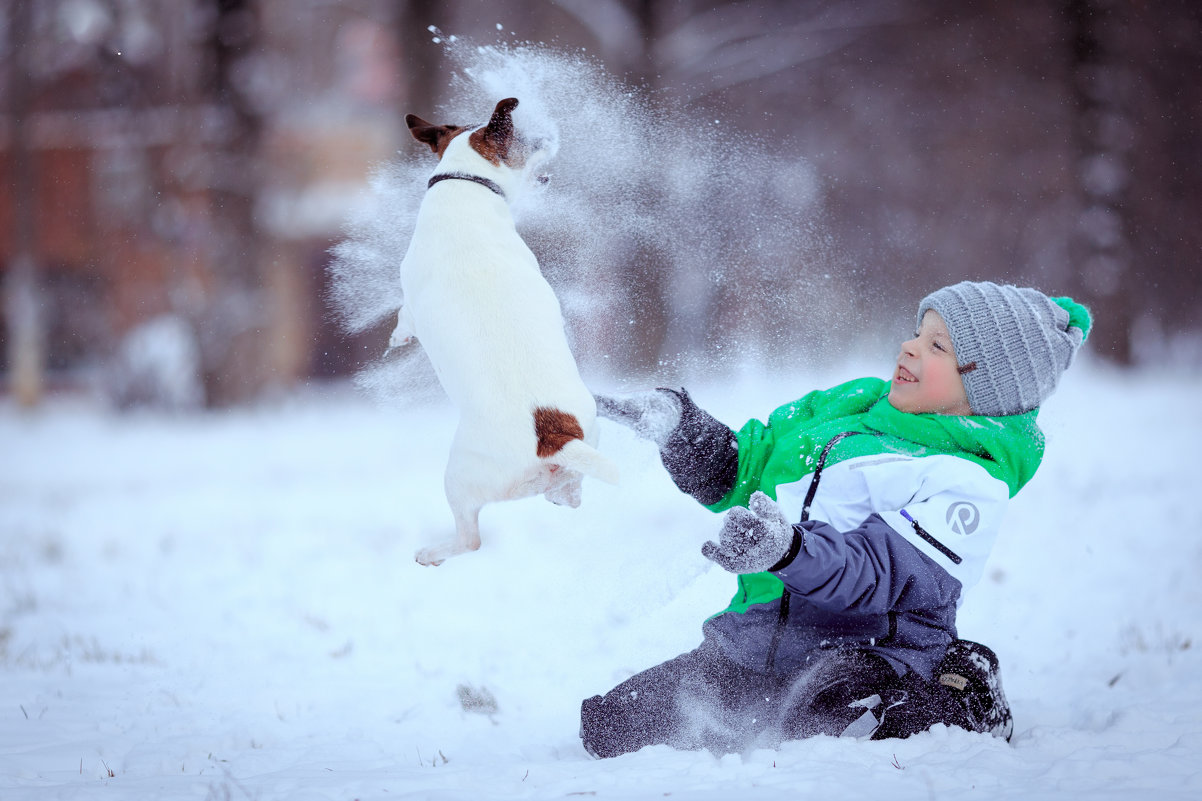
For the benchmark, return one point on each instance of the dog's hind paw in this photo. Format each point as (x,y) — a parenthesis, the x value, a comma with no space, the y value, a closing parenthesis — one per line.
(432,557)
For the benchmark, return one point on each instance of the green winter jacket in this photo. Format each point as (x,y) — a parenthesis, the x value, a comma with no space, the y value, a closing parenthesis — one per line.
(787,448)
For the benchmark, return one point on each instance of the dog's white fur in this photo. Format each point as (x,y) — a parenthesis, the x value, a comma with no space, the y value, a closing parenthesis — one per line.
(476,300)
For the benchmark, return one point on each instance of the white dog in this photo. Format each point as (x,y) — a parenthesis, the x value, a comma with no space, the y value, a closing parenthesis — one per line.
(476,300)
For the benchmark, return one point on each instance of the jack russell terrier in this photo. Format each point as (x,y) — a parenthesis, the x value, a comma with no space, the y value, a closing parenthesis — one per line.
(475,298)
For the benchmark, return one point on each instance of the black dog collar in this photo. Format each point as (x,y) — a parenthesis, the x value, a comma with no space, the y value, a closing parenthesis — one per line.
(463,176)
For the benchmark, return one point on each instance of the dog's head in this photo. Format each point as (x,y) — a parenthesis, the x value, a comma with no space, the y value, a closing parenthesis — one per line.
(498,143)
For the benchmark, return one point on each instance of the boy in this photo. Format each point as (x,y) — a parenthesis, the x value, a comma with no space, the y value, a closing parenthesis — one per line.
(855,518)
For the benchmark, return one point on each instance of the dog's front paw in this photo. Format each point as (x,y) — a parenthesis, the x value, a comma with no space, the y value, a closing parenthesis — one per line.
(396,343)
(404,332)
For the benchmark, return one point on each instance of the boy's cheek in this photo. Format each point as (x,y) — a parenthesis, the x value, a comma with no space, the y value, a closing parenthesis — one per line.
(900,396)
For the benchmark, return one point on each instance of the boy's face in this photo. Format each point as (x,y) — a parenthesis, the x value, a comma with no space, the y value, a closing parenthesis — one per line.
(927,379)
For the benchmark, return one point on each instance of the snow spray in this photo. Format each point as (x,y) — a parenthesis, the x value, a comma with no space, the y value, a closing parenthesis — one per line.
(652,213)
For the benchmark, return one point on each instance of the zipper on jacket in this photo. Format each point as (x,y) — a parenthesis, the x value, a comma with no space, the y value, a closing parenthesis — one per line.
(782,617)
(930,538)
(826,451)
(778,632)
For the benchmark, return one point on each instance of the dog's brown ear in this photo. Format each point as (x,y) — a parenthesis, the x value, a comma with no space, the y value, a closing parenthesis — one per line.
(504,109)
(501,124)
(492,141)
(436,136)
(423,131)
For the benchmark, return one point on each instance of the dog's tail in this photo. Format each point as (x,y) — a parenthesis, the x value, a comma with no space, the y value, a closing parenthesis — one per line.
(577,455)
(561,440)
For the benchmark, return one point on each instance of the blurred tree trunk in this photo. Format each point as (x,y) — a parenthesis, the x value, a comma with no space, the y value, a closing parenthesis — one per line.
(715,55)
(232,334)
(647,269)
(421,59)
(25,336)
(1101,245)
(627,33)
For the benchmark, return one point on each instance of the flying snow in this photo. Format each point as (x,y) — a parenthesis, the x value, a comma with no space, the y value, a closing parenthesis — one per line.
(649,211)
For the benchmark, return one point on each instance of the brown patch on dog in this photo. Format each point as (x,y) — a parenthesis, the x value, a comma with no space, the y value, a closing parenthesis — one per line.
(495,140)
(436,136)
(554,429)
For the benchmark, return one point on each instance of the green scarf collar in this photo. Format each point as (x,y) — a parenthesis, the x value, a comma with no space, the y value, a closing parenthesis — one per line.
(1010,448)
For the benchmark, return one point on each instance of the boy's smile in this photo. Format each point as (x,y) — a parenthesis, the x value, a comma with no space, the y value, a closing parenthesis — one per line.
(927,378)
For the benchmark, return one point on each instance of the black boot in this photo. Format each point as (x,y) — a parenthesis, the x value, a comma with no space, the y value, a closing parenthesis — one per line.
(970,673)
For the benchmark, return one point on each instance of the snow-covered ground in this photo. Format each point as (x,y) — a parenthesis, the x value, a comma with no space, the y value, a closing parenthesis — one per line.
(226,607)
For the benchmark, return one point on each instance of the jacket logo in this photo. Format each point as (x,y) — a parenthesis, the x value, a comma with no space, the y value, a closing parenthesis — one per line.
(963,517)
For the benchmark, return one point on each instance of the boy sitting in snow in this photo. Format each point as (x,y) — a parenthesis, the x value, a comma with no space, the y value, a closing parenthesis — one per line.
(857,516)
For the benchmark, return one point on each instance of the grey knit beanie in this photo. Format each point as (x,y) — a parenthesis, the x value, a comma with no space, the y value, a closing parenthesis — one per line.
(1012,344)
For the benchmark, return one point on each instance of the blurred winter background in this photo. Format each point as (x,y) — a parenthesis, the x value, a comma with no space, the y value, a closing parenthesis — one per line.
(176,172)
(206,527)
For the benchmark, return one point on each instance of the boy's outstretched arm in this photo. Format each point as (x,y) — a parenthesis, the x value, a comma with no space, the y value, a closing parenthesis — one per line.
(699,452)
(870,569)
(754,538)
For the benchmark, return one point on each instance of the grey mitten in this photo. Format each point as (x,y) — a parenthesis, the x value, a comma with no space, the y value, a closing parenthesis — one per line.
(652,415)
(753,539)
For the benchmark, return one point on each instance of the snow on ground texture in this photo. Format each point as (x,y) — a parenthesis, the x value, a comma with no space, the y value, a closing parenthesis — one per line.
(226,607)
